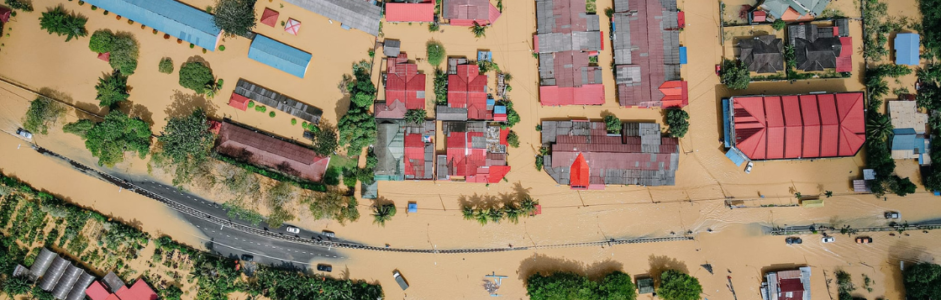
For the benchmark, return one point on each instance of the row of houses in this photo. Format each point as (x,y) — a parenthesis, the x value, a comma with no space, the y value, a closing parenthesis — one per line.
(67,281)
(816,48)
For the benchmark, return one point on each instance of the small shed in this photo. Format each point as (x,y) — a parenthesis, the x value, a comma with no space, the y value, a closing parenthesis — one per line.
(238,101)
(269,17)
(645,285)
(292,26)
(499,113)
(391,48)
(907,49)
(682,55)
(412,207)
(861,186)
(759,16)
(869,174)
(484,55)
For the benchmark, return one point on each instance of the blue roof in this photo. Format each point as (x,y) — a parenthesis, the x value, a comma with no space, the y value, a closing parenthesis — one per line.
(484,55)
(279,56)
(499,109)
(412,207)
(169,16)
(904,139)
(726,123)
(682,55)
(906,49)
(736,156)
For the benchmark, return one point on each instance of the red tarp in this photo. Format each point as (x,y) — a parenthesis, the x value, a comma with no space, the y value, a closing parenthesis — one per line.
(580,174)
(238,101)
(681,19)
(269,17)
(410,12)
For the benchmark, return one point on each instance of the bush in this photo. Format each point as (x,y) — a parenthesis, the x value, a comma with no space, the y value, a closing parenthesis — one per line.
(251,103)
(293,121)
(478,30)
(57,21)
(112,89)
(678,120)
(16,4)
(271,114)
(324,140)
(235,17)
(221,47)
(436,53)
(778,24)
(613,124)
(415,116)
(441,87)
(735,75)
(124,54)
(101,41)
(261,108)
(513,139)
(433,27)
(42,113)
(196,76)
(165,66)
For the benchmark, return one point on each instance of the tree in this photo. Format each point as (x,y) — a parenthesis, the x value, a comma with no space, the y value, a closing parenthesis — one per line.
(235,17)
(612,123)
(165,66)
(101,41)
(109,139)
(878,127)
(436,52)
(124,54)
(901,186)
(415,116)
(468,212)
(15,286)
(196,76)
(278,196)
(362,91)
(57,21)
(357,129)
(332,204)
(42,113)
(185,145)
(441,87)
(112,89)
(478,30)
(922,281)
(325,140)
(675,285)
(678,120)
(571,286)
(383,213)
(513,139)
(512,117)
(735,75)
(778,24)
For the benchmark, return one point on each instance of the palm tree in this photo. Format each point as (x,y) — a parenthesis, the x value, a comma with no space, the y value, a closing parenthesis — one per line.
(481,216)
(495,214)
(528,205)
(383,213)
(468,212)
(512,213)
(878,128)
(479,31)
(58,21)
(828,194)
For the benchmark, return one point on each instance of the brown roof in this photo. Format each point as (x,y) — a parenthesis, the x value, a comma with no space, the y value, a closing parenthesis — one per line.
(271,152)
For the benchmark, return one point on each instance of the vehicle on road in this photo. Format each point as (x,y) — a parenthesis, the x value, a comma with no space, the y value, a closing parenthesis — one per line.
(324,268)
(400,280)
(748,167)
(329,233)
(718,69)
(293,229)
(793,240)
(863,240)
(827,239)
(247,257)
(25,134)
(893,215)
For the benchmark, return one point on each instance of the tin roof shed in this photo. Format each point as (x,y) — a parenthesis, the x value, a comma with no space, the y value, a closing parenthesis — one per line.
(173,17)
(279,56)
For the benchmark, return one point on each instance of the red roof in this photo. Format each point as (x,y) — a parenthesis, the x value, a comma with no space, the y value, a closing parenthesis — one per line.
(5,14)
(474,164)
(468,12)
(271,152)
(805,126)
(790,289)
(647,35)
(414,155)
(468,89)
(504,132)
(269,17)
(410,12)
(581,176)
(238,101)
(680,19)
(139,291)
(96,291)
(844,62)
(589,94)
(675,94)
(105,56)
(404,84)
(759,16)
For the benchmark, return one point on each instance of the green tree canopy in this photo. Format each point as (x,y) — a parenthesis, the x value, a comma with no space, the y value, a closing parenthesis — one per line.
(612,123)
(109,139)
(235,17)
(922,281)
(478,30)
(357,129)
(276,200)
(325,140)
(332,204)
(196,76)
(735,75)
(112,89)
(778,24)
(675,285)
(165,66)
(59,22)
(362,91)
(678,120)
(16,286)
(415,116)
(124,54)
(570,286)
(436,52)
(42,113)
(184,145)
(101,41)
(383,213)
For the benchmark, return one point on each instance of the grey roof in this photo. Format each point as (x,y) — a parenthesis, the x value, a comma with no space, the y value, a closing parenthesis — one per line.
(278,101)
(353,13)
(815,49)
(622,37)
(778,7)
(389,149)
(843,27)
(20,270)
(453,62)
(546,21)
(78,289)
(762,54)
(445,113)
(42,263)
(391,48)
(113,282)
(369,191)
(66,282)
(49,280)
(442,168)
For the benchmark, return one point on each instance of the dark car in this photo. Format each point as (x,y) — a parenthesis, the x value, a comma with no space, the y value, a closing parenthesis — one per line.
(247,257)
(863,240)
(793,241)
(324,268)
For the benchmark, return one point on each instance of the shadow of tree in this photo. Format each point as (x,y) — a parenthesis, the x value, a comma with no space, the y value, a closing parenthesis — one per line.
(184,104)
(343,105)
(659,264)
(545,265)
(139,111)
(199,59)
(84,110)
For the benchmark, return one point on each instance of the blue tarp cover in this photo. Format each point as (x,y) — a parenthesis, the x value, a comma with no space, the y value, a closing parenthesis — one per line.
(682,55)
(484,55)
(169,16)
(736,156)
(906,49)
(279,56)
(412,207)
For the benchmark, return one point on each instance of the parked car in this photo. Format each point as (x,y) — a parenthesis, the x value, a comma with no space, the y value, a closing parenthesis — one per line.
(247,257)
(329,233)
(793,240)
(863,240)
(748,167)
(400,280)
(23,133)
(718,69)
(827,239)
(293,229)
(324,268)
(893,215)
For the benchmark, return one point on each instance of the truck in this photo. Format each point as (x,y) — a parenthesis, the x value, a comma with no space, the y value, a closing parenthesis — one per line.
(400,280)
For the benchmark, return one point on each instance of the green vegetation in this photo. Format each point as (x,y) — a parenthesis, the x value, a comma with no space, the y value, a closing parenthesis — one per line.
(778,24)
(383,213)
(540,160)
(271,114)
(512,117)
(512,211)
(678,120)
(845,286)
(235,17)
(931,19)
(277,197)
(878,132)
(59,22)
(185,146)
(735,75)
(571,286)
(17,4)
(441,87)
(929,98)
(613,124)
(278,176)
(415,116)
(324,139)
(478,30)
(513,139)
(109,139)
(432,27)
(112,90)
(922,281)
(123,48)
(332,204)
(485,66)
(675,285)
(362,91)
(260,108)
(436,53)
(196,76)
(101,41)
(358,126)
(166,65)
(42,113)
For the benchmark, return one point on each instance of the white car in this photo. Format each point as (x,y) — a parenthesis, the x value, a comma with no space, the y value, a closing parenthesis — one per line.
(23,133)
(293,230)
(748,167)
(827,239)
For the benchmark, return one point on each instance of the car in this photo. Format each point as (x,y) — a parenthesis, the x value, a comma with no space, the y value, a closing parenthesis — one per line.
(718,69)
(247,257)
(893,215)
(827,239)
(324,268)
(793,240)
(329,233)
(401,281)
(293,229)
(748,167)
(25,134)
(863,240)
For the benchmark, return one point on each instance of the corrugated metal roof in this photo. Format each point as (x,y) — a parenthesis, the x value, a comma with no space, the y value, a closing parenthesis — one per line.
(51,278)
(647,35)
(113,282)
(173,17)
(356,14)
(67,281)
(78,289)
(279,56)
(42,263)
(270,152)
(278,101)
(410,12)
(390,149)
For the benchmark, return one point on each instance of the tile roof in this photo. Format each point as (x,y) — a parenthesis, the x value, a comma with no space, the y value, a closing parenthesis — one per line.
(279,56)
(468,89)
(410,12)
(173,17)
(270,152)
(356,14)
(566,37)
(269,17)
(238,101)
(139,291)
(97,291)
(467,12)
(403,83)
(646,50)
(819,48)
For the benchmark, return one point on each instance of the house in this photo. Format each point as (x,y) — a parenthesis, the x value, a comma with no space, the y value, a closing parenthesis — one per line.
(469,12)
(279,56)
(796,126)
(647,53)
(361,15)
(584,155)
(476,152)
(566,39)
(762,54)
(261,149)
(172,17)
(391,48)
(405,151)
(410,11)
(787,285)
(794,10)
(907,49)
(275,100)
(467,89)
(817,48)
(405,88)
(117,291)
(909,140)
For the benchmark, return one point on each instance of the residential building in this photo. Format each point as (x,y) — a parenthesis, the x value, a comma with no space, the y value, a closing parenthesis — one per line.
(117,291)
(405,151)
(469,12)
(172,17)
(795,126)
(787,285)
(817,48)
(467,89)
(909,140)
(404,88)
(566,39)
(355,14)
(410,11)
(647,53)
(794,10)
(279,56)
(907,51)
(258,148)
(246,90)
(762,54)
(476,152)
(391,48)
(584,155)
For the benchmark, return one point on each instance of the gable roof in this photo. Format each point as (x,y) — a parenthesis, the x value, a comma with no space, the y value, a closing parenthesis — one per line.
(410,12)
(474,152)
(467,12)
(269,17)
(566,37)
(360,15)
(468,89)
(270,152)
(778,8)
(762,54)
(907,49)
(404,84)
(646,50)
(238,101)
(819,48)
(173,17)
(279,56)
(97,291)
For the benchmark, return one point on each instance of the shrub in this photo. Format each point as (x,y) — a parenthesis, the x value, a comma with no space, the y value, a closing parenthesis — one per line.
(16,4)
(778,24)
(735,75)
(165,66)
(221,47)
(678,120)
(112,89)
(612,123)
(251,103)
(415,116)
(42,113)
(196,76)
(436,53)
(324,140)
(433,27)
(124,54)
(293,121)
(260,108)
(102,41)
(61,23)
(478,30)
(192,45)
(271,114)
(235,17)
(513,139)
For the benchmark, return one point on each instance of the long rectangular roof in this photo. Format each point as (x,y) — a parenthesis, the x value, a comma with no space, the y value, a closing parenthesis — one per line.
(410,12)
(566,35)
(278,101)
(271,152)
(169,16)
(907,49)
(357,14)
(646,41)
(798,126)
(280,56)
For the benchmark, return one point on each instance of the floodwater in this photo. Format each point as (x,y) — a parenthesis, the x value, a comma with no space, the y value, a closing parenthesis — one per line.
(704,180)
